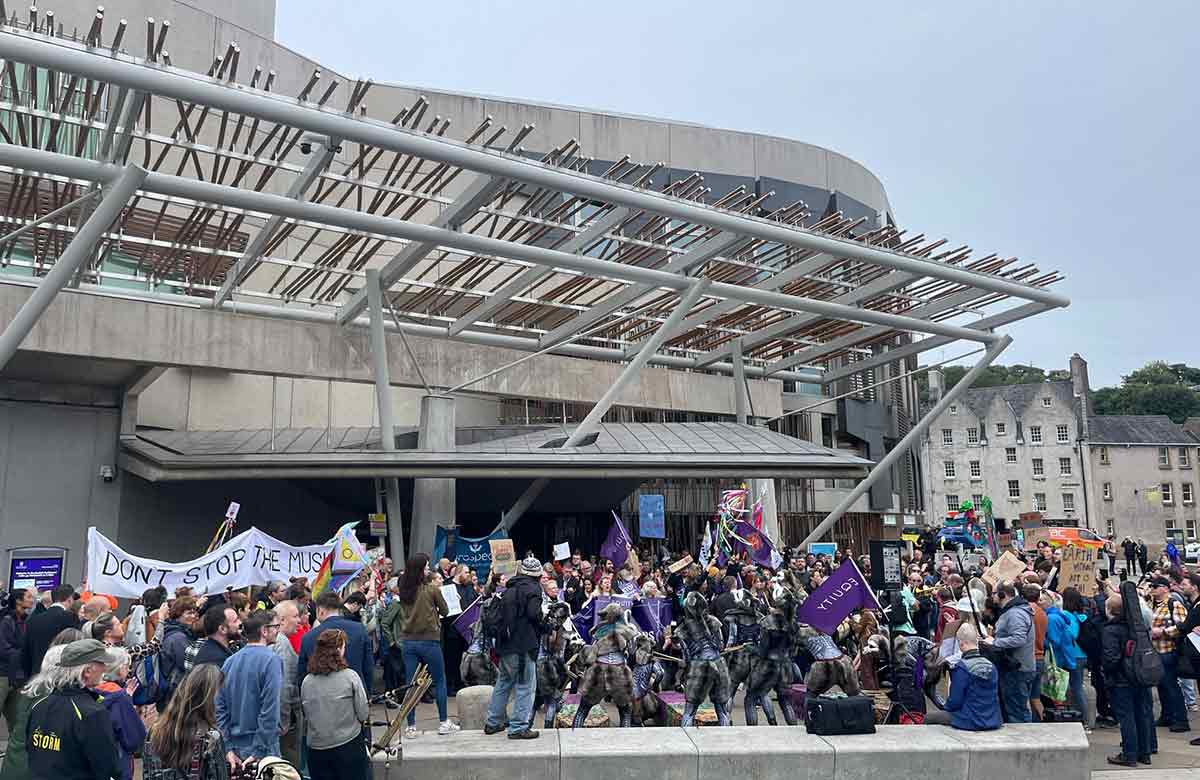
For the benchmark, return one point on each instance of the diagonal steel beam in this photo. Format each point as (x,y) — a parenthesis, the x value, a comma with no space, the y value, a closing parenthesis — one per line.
(596,415)
(154,79)
(480,193)
(1007,317)
(678,264)
(115,197)
(317,163)
(901,448)
(531,276)
(856,336)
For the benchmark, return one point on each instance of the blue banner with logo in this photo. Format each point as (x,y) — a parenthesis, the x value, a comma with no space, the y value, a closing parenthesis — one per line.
(476,553)
(652,523)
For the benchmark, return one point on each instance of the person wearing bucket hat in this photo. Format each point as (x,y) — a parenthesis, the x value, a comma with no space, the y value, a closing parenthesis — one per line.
(70,733)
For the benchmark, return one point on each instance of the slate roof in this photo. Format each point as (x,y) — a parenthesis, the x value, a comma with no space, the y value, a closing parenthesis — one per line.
(1020,397)
(624,449)
(1137,429)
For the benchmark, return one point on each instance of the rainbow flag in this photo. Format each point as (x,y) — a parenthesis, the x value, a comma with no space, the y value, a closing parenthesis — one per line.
(324,574)
(343,563)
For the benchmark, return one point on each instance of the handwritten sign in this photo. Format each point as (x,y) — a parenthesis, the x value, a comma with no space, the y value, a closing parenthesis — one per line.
(680,564)
(504,556)
(1006,569)
(1078,570)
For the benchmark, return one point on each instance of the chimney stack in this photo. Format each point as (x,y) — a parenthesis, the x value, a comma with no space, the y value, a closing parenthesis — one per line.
(1082,391)
(937,385)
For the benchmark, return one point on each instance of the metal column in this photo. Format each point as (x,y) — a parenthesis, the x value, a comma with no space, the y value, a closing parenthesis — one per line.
(739,383)
(383,399)
(911,438)
(592,421)
(78,251)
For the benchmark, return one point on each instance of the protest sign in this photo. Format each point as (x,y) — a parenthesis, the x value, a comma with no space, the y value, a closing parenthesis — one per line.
(562,551)
(1006,569)
(476,553)
(1078,569)
(680,564)
(250,558)
(450,595)
(823,548)
(232,512)
(843,592)
(504,557)
(652,517)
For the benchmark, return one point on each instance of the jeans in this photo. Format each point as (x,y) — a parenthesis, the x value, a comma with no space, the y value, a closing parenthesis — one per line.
(1189,692)
(1078,698)
(1014,690)
(428,651)
(518,676)
(1131,705)
(1169,695)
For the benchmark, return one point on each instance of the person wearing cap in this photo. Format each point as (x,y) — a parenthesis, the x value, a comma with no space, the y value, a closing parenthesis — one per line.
(1169,616)
(70,733)
(521,605)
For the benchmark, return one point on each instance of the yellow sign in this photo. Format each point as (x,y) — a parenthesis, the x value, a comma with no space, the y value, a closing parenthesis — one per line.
(504,556)
(910,536)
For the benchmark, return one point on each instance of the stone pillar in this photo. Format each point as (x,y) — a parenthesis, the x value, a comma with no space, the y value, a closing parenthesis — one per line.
(434,498)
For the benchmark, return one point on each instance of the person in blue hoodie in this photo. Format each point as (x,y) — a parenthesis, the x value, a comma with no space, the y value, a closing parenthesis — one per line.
(1075,609)
(974,702)
(128,729)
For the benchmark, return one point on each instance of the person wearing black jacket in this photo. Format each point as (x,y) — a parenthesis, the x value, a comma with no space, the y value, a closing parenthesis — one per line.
(70,733)
(41,629)
(1130,701)
(1129,547)
(1143,555)
(521,603)
(12,636)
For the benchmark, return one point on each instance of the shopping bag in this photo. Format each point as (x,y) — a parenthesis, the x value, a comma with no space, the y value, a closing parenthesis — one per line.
(1055,681)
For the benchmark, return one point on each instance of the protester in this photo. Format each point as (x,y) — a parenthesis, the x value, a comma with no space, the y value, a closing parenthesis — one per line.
(973,704)
(275,592)
(12,637)
(420,633)
(70,733)
(453,643)
(1032,593)
(176,635)
(1169,615)
(248,704)
(1014,639)
(1074,659)
(521,605)
(185,744)
(288,617)
(358,644)
(41,628)
(1130,701)
(128,730)
(335,707)
(16,759)
(221,626)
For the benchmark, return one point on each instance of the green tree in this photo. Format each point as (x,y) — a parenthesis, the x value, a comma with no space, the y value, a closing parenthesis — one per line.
(1155,388)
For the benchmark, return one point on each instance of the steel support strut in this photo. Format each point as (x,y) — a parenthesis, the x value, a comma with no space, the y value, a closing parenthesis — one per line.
(383,399)
(77,252)
(592,421)
(911,438)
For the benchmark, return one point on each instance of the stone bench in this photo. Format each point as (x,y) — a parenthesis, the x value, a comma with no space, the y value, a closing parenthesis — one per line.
(1035,751)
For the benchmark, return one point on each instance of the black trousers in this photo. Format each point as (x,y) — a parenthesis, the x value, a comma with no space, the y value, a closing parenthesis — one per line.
(348,760)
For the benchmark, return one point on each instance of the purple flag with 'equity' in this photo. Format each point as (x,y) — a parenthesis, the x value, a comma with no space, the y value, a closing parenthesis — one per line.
(616,544)
(845,591)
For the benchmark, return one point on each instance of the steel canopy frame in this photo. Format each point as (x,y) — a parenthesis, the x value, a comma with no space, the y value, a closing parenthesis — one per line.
(153,78)
(165,184)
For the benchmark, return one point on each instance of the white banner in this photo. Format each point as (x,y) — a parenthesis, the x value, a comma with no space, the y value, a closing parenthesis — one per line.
(250,558)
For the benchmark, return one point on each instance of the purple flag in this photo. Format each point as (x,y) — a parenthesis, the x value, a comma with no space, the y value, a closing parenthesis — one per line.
(652,615)
(629,588)
(762,552)
(845,591)
(583,620)
(616,544)
(465,623)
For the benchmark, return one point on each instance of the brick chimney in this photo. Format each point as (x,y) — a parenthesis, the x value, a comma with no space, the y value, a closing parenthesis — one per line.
(1081,389)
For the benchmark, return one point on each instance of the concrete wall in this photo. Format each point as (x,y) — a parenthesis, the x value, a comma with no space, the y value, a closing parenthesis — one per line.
(50,490)
(992,457)
(1130,471)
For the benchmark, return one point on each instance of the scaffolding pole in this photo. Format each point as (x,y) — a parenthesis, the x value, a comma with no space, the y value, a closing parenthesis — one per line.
(383,399)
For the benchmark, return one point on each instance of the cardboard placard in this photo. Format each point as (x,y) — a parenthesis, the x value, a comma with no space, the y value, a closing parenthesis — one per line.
(562,551)
(232,512)
(1006,569)
(1078,570)
(504,556)
(680,564)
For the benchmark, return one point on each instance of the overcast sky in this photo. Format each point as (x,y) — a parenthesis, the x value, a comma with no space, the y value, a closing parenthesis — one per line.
(1064,133)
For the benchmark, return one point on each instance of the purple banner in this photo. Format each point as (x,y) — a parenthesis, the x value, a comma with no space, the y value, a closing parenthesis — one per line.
(616,544)
(762,552)
(845,591)
(628,588)
(465,623)
(583,621)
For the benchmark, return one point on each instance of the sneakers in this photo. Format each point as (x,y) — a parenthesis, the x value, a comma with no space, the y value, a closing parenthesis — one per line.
(526,734)
(448,727)
(411,732)
(490,730)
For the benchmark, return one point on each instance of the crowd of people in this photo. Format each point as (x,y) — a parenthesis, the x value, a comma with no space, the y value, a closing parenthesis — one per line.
(214,686)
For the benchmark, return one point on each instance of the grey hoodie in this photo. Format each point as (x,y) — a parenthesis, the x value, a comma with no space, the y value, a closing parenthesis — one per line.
(1014,632)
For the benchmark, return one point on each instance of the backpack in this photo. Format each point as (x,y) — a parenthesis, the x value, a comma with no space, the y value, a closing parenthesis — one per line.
(152,686)
(1089,640)
(1141,662)
(496,625)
